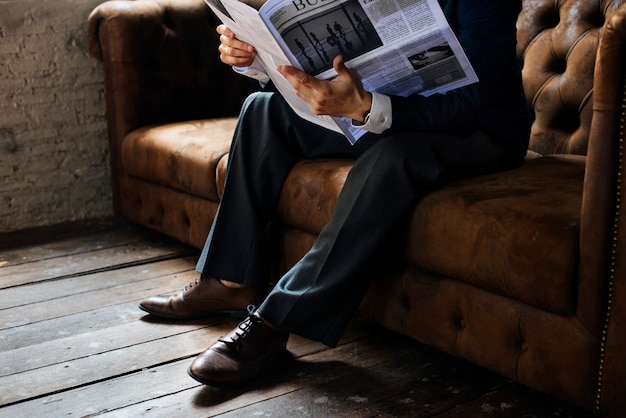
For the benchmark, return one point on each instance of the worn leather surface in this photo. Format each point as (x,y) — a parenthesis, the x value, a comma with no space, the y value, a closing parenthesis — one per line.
(522,272)
(479,231)
(161,65)
(603,224)
(177,155)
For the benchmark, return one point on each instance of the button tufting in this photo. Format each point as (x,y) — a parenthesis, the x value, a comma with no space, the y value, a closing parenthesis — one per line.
(523,347)
(406,303)
(462,322)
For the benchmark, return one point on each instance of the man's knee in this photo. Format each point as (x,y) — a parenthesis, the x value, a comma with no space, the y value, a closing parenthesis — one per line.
(407,157)
(261,101)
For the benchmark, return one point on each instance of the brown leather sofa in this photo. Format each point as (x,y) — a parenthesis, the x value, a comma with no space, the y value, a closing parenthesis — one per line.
(522,272)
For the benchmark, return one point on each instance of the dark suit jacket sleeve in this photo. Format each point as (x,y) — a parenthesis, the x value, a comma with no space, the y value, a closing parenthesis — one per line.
(486,31)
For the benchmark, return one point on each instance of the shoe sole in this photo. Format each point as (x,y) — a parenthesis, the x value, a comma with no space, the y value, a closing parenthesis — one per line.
(233,313)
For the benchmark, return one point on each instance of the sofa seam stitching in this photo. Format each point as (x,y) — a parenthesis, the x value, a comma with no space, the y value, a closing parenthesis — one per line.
(614,245)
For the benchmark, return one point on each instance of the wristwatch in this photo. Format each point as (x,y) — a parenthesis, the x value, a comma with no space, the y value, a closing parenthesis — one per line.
(366,116)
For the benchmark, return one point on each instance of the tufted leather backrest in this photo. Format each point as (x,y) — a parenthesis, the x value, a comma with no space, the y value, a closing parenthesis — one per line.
(162,64)
(557,43)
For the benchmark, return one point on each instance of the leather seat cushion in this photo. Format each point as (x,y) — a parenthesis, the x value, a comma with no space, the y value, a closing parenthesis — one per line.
(515,233)
(183,156)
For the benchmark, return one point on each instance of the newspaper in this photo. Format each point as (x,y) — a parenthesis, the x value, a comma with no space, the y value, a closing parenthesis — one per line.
(397,47)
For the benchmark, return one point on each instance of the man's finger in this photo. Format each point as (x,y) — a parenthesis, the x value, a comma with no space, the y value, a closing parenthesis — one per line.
(339,65)
(290,72)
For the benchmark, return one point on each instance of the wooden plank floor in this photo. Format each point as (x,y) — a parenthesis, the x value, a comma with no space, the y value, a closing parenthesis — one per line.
(73,343)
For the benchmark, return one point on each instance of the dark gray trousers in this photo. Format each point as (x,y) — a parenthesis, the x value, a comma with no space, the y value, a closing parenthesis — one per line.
(320,294)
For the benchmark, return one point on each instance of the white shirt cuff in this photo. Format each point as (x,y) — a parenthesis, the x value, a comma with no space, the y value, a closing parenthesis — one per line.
(380,115)
(255,71)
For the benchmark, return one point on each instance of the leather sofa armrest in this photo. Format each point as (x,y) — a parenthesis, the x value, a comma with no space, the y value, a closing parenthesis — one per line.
(161,65)
(603,219)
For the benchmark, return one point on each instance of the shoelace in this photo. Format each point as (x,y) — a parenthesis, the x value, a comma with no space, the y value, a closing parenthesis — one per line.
(194,283)
(247,324)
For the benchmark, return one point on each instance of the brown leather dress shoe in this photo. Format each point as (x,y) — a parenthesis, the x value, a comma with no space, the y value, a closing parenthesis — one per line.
(241,355)
(202,298)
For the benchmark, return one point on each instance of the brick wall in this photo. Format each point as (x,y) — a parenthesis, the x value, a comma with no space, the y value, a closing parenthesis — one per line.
(53,142)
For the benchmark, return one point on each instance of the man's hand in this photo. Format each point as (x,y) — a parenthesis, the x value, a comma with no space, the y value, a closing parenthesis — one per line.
(232,50)
(343,96)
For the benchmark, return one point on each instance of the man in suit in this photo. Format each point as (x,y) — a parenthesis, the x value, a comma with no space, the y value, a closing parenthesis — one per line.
(413,144)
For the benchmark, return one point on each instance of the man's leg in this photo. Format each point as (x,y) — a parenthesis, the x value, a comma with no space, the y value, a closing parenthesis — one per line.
(268,141)
(319,295)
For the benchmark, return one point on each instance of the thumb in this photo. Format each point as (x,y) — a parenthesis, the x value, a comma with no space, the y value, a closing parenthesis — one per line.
(344,73)
(339,65)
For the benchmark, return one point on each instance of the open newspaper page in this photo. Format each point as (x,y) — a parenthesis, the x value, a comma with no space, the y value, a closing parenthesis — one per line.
(397,47)
(249,27)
